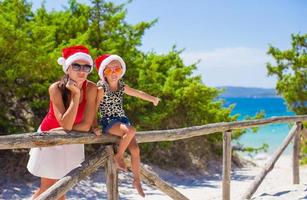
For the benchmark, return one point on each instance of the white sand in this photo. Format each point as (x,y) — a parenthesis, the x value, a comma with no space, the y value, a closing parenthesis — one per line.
(277,185)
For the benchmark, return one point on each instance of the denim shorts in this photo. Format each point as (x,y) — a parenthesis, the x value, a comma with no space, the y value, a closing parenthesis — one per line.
(108,122)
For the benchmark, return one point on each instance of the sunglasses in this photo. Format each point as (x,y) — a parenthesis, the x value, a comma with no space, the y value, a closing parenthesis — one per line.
(78,67)
(117,70)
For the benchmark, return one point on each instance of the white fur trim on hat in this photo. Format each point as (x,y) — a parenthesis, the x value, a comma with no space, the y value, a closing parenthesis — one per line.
(109,59)
(74,57)
(61,61)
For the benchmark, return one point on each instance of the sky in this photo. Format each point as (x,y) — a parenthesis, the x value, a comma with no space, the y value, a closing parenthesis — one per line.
(229,38)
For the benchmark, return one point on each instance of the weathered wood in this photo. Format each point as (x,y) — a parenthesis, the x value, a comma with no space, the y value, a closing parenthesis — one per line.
(226,164)
(154,180)
(72,178)
(183,133)
(270,163)
(296,154)
(111,175)
(58,138)
(41,139)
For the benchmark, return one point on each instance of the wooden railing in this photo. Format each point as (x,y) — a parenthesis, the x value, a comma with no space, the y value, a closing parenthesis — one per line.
(104,157)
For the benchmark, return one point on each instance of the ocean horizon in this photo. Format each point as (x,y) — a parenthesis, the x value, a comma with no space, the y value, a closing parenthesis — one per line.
(272,134)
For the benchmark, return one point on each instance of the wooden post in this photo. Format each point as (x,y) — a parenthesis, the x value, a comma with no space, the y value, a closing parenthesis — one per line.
(270,164)
(226,164)
(296,154)
(72,178)
(111,175)
(154,180)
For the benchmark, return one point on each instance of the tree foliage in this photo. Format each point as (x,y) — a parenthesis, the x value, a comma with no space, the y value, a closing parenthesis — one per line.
(32,42)
(290,67)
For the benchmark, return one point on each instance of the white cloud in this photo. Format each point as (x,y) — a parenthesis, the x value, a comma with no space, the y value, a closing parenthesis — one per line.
(239,66)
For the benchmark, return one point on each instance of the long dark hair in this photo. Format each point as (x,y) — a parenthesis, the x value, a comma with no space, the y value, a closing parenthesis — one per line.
(64,91)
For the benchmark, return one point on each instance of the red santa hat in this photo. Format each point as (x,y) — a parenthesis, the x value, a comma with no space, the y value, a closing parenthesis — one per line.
(74,53)
(102,61)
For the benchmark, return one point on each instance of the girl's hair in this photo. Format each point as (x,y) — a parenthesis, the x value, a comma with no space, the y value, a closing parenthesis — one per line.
(105,79)
(64,91)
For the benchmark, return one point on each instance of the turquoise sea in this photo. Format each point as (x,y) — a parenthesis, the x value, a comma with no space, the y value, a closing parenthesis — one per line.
(272,134)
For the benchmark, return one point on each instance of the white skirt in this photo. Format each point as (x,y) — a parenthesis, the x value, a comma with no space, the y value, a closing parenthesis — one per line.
(56,161)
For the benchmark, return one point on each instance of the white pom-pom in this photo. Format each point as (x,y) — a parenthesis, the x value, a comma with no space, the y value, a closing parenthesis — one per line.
(61,61)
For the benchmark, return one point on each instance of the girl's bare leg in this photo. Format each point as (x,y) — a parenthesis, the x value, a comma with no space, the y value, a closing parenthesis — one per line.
(135,165)
(126,133)
(45,184)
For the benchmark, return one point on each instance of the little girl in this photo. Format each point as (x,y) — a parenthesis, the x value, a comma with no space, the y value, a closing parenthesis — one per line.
(111,89)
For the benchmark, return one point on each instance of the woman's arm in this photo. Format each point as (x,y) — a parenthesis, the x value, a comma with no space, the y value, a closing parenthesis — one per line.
(99,99)
(89,112)
(142,95)
(65,117)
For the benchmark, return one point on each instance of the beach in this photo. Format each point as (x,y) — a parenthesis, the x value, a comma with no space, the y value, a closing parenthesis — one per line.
(277,184)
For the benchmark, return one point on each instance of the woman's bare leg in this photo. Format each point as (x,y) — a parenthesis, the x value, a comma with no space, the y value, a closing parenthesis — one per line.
(45,184)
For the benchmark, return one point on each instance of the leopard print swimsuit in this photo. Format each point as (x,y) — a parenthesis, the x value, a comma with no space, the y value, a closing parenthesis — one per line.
(112,104)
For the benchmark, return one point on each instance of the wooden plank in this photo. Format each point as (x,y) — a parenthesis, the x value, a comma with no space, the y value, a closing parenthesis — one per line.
(111,175)
(270,164)
(154,180)
(72,178)
(183,133)
(59,138)
(226,165)
(296,155)
(43,139)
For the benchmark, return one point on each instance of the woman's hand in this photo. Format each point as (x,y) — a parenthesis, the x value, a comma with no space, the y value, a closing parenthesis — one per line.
(72,86)
(97,131)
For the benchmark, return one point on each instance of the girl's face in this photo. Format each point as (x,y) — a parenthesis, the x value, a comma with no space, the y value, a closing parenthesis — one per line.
(79,70)
(113,71)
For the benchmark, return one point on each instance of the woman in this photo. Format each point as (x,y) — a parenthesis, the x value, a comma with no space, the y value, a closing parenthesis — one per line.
(72,107)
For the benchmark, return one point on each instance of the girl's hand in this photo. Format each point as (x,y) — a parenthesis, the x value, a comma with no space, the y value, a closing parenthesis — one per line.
(155,101)
(72,86)
(97,131)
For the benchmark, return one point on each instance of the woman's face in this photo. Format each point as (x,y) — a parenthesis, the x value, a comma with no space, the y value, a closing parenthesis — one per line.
(113,71)
(79,70)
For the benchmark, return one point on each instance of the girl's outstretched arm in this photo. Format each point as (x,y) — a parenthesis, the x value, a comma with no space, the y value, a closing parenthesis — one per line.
(142,95)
